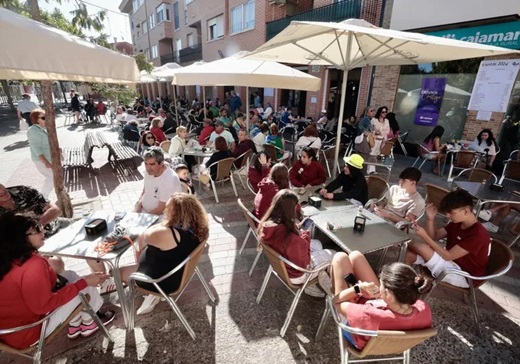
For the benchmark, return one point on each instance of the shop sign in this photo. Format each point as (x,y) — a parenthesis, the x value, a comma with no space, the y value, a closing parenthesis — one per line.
(505,35)
(430,101)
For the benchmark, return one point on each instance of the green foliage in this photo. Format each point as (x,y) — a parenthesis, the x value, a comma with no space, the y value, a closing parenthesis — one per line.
(142,62)
(123,94)
(84,20)
(56,19)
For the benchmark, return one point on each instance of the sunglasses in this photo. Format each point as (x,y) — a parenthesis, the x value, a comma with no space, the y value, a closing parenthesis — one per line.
(384,112)
(37,230)
(42,117)
(149,137)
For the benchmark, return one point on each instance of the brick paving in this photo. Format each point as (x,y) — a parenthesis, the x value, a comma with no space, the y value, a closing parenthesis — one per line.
(223,267)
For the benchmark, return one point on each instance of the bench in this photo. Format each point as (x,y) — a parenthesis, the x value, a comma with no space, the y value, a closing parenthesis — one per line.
(120,153)
(81,157)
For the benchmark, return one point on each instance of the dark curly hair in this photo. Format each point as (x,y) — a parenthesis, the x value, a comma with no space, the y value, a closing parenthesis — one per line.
(15,247)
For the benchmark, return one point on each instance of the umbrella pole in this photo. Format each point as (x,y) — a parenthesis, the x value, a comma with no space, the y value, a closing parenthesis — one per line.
(175,103)
(247,108)
(204,103)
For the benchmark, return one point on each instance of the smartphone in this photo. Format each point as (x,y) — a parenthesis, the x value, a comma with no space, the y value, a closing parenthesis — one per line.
(119,215)
(307,224)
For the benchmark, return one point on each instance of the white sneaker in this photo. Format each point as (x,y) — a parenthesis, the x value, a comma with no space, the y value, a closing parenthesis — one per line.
(485,215)
(107,286)
(314,291)
(492,228)
(148,304)
(325,283)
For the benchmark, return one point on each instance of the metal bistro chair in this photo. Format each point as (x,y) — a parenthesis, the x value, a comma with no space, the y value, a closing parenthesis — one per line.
(327,154)
(190,269)
(69,116)
(462,160)
(165,146)
(425,154)
(377,188)
(244,159)
(278,268)
(253,224)
(381,342)
(38,349)
(474,175)
(500,261)
(401,139)
(270,151)
(511,167)
(223,175)
(387,149)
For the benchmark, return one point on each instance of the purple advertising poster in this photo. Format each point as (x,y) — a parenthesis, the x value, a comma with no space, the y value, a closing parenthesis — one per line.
(430,101)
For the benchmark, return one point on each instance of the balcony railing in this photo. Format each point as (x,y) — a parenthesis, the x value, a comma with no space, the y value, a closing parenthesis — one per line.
(186,55)
(331,13)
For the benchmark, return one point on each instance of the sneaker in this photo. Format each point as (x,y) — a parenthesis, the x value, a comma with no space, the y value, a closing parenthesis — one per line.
(107,286)
(314,291)
(148,304)
(74,331)
(489,226)
(325,283)
(485,215)
(204,178)
(89,328)
(106,317)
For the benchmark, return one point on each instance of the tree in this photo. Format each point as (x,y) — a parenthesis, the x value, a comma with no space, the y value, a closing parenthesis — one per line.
(142,62)
(120,93)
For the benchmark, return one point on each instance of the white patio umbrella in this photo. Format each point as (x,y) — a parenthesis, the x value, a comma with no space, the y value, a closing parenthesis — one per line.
(238,71)
(356,43)
(35,51)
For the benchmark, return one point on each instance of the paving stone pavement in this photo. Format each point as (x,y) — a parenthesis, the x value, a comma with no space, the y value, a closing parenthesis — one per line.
(236,329)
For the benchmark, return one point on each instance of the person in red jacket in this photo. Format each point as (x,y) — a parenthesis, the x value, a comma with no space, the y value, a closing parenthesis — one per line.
(258,170)
(31,288)
(307,171)
(156,129)
(206,131)
(277,180)
(278,230)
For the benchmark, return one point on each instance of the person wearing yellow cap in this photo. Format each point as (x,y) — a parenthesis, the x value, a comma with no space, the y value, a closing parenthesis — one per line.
(352,182)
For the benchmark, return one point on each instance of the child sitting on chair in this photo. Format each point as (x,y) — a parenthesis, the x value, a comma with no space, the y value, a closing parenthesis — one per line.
(183,174)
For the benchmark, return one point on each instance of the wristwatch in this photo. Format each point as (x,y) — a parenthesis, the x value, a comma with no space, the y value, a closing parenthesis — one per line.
(357,289)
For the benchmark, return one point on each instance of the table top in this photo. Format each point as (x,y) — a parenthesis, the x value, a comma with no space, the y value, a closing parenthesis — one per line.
(378,233)
(482,191)
(374,161)
(74,242)
(197,152)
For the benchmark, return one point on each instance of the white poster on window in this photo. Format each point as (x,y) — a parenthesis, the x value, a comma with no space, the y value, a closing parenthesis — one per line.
(268,91)
(493,86)
(484,115)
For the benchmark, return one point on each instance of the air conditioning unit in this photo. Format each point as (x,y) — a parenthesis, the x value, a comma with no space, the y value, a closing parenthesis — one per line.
(279,2)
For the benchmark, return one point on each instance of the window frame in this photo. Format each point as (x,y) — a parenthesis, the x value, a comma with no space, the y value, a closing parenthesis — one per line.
(216,24)
(176,24)
(166,11)
(252,20)
(151,21)
(154,51)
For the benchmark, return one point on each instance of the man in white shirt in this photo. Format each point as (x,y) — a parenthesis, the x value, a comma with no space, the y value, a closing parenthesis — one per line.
(160,182)
(402,202)
(221,131)
(25,107)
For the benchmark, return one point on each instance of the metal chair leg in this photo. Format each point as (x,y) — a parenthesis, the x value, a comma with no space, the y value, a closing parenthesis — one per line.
(245,241)
(240,178)
(291,311)
(343,352)
(323,322)
(415,162)
(264,284)
(474,309)
(131,309)
(214,190)
(424,161)
(95,317)
(255,262)
(406,357)
(205,284)
(181,317)
(233,184)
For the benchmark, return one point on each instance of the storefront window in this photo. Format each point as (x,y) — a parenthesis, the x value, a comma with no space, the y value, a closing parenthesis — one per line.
(460,77)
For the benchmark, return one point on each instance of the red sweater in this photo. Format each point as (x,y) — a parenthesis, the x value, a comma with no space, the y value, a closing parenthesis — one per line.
(302,175)
(27,297)
(255,177)
(296,248)
(205,133)
(159,134)
(266,191)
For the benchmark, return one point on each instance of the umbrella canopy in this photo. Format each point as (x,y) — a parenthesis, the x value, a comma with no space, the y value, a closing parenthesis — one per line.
(238,71)
(36,51)
(146,77)
(166,70)
(357,43)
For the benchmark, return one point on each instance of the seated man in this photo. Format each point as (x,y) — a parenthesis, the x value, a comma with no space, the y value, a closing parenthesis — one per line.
(402,202)
(160,182)
(244,144)
(221,131)
(468,242)
(27,199)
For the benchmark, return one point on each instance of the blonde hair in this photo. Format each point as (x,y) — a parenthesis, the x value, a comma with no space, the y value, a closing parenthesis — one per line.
(179,129)
(156,122)
(186,211)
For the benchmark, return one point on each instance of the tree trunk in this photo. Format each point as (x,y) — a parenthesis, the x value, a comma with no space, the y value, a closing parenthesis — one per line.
(63,197)
(7,91)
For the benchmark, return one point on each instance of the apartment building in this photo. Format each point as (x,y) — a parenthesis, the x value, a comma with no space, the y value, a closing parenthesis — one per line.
(185,31)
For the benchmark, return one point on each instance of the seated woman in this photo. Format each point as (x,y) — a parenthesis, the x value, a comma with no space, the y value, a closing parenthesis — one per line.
(394,126)
(307,171)
(485,143)
(178,143)
(258,170)
(309,138)
(206,131)
(147,141)
(131,134)
(277,180)
(156,129)
(352,182)
(433,143)
(278,230)
(31,288)
(221,152)
(184,227)
(275,139)
(366,302)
